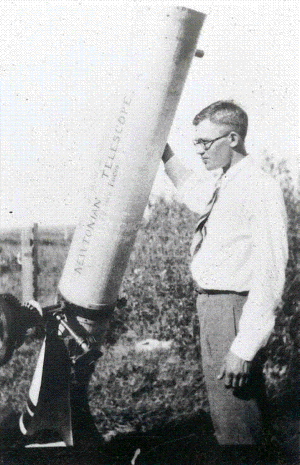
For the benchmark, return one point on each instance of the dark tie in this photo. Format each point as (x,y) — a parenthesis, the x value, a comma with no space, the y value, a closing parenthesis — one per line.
(200,231)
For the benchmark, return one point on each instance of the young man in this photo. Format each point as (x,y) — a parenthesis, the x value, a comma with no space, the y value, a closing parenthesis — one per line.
(239,255)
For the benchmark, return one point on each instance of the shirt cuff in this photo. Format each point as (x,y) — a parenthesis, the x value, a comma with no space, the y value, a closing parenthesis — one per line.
(247,346)
(241,349)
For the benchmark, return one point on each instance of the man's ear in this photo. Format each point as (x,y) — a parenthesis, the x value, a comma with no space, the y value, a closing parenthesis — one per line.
(235,139)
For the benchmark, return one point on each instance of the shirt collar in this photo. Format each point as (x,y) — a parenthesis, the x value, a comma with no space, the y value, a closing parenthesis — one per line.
(243,164)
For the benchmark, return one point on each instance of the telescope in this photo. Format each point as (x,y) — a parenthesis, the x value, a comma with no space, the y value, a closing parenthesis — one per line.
(134,140)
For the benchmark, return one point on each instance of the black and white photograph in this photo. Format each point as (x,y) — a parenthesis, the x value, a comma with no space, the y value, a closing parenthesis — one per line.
(149,232)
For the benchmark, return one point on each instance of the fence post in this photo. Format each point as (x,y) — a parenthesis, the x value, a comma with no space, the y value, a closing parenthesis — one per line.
(29,245)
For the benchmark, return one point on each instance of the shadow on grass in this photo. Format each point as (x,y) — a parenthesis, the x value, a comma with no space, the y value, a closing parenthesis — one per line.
(171,443)
(187,442)
(190,441)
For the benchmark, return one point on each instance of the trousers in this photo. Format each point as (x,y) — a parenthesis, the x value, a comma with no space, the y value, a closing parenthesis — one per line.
(236,414)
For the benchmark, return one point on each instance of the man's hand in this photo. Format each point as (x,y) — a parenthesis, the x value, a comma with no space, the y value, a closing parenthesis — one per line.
(235,370)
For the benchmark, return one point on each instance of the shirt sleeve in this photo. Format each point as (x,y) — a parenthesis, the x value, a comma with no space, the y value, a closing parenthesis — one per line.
(268,223)
(195,190)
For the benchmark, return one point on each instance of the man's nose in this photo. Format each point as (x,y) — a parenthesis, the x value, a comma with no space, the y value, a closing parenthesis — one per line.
(200,151)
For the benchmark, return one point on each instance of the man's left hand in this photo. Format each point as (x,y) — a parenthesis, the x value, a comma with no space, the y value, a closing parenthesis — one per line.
(235,370)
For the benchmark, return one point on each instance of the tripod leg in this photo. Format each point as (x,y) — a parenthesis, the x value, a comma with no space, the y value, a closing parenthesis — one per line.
(48,407)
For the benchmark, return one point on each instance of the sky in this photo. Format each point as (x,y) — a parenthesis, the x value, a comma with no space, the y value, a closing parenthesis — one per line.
(64,62)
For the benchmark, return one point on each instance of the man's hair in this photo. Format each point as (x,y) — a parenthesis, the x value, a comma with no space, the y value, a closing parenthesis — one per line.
(225,113)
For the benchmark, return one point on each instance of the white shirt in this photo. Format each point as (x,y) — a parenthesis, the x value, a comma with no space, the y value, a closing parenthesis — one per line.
(245,247)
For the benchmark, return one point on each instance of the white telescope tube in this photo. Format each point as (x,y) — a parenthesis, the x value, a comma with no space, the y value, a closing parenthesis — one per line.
(134,141)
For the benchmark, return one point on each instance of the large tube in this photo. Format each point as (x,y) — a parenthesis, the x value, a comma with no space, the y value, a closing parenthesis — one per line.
(130,154)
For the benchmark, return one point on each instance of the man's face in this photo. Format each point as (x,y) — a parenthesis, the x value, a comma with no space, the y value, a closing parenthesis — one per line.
(219,154)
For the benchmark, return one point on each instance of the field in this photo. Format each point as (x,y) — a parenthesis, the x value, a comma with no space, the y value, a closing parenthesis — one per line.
(156,400)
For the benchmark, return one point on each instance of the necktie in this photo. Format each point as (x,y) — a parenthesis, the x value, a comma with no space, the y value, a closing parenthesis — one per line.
(200,230)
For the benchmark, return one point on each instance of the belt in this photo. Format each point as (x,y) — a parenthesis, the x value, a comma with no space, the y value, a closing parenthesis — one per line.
(199,290)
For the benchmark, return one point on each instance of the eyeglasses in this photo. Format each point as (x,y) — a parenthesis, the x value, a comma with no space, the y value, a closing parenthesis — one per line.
(206,144)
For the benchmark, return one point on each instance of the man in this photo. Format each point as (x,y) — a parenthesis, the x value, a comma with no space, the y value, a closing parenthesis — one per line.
(239,254)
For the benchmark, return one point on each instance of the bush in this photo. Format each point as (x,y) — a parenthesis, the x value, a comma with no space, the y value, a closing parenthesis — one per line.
(282,369)
(157,285)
